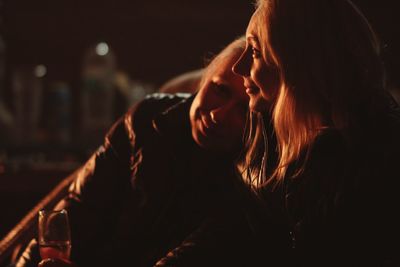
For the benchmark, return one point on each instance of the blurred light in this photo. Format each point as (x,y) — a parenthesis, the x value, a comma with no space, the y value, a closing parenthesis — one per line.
(102,49)
(40,71)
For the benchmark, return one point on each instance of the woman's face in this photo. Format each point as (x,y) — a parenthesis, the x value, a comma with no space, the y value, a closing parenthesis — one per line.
(218,112)
(261,79)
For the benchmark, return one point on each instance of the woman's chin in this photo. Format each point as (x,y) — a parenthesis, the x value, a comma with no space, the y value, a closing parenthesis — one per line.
(258,104)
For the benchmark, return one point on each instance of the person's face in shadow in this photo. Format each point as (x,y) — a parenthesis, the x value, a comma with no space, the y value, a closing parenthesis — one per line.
(218,112)
(261,78)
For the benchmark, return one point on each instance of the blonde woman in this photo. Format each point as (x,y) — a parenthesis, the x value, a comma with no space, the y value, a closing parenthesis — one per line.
(315,66)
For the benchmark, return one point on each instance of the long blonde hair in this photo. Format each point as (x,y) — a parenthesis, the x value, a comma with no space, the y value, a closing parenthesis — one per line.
(330,70)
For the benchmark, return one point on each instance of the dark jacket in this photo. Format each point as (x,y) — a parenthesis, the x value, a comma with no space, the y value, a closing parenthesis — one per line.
(343,209)
(145,190)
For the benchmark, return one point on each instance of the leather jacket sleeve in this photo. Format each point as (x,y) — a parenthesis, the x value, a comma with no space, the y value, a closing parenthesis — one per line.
(100,186)
(93,196)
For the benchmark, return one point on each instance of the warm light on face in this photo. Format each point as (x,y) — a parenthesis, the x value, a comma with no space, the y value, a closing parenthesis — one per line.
(218,112)
(40,71)
(102,49)
(261,77)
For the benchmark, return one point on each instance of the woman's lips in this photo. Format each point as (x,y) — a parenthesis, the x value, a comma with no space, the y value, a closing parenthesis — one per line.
(252,90)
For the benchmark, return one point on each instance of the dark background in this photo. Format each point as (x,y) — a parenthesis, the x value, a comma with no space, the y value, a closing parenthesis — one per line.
(153,41)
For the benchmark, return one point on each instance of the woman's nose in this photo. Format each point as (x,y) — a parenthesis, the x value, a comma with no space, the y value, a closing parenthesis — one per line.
(242,66)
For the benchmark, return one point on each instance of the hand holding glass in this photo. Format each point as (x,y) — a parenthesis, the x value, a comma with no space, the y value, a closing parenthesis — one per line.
(54,234)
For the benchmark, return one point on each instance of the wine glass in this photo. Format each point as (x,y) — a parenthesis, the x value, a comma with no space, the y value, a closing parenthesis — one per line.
(54,234)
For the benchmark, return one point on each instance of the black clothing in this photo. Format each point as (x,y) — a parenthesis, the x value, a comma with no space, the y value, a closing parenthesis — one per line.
(342,210)
(146,189)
